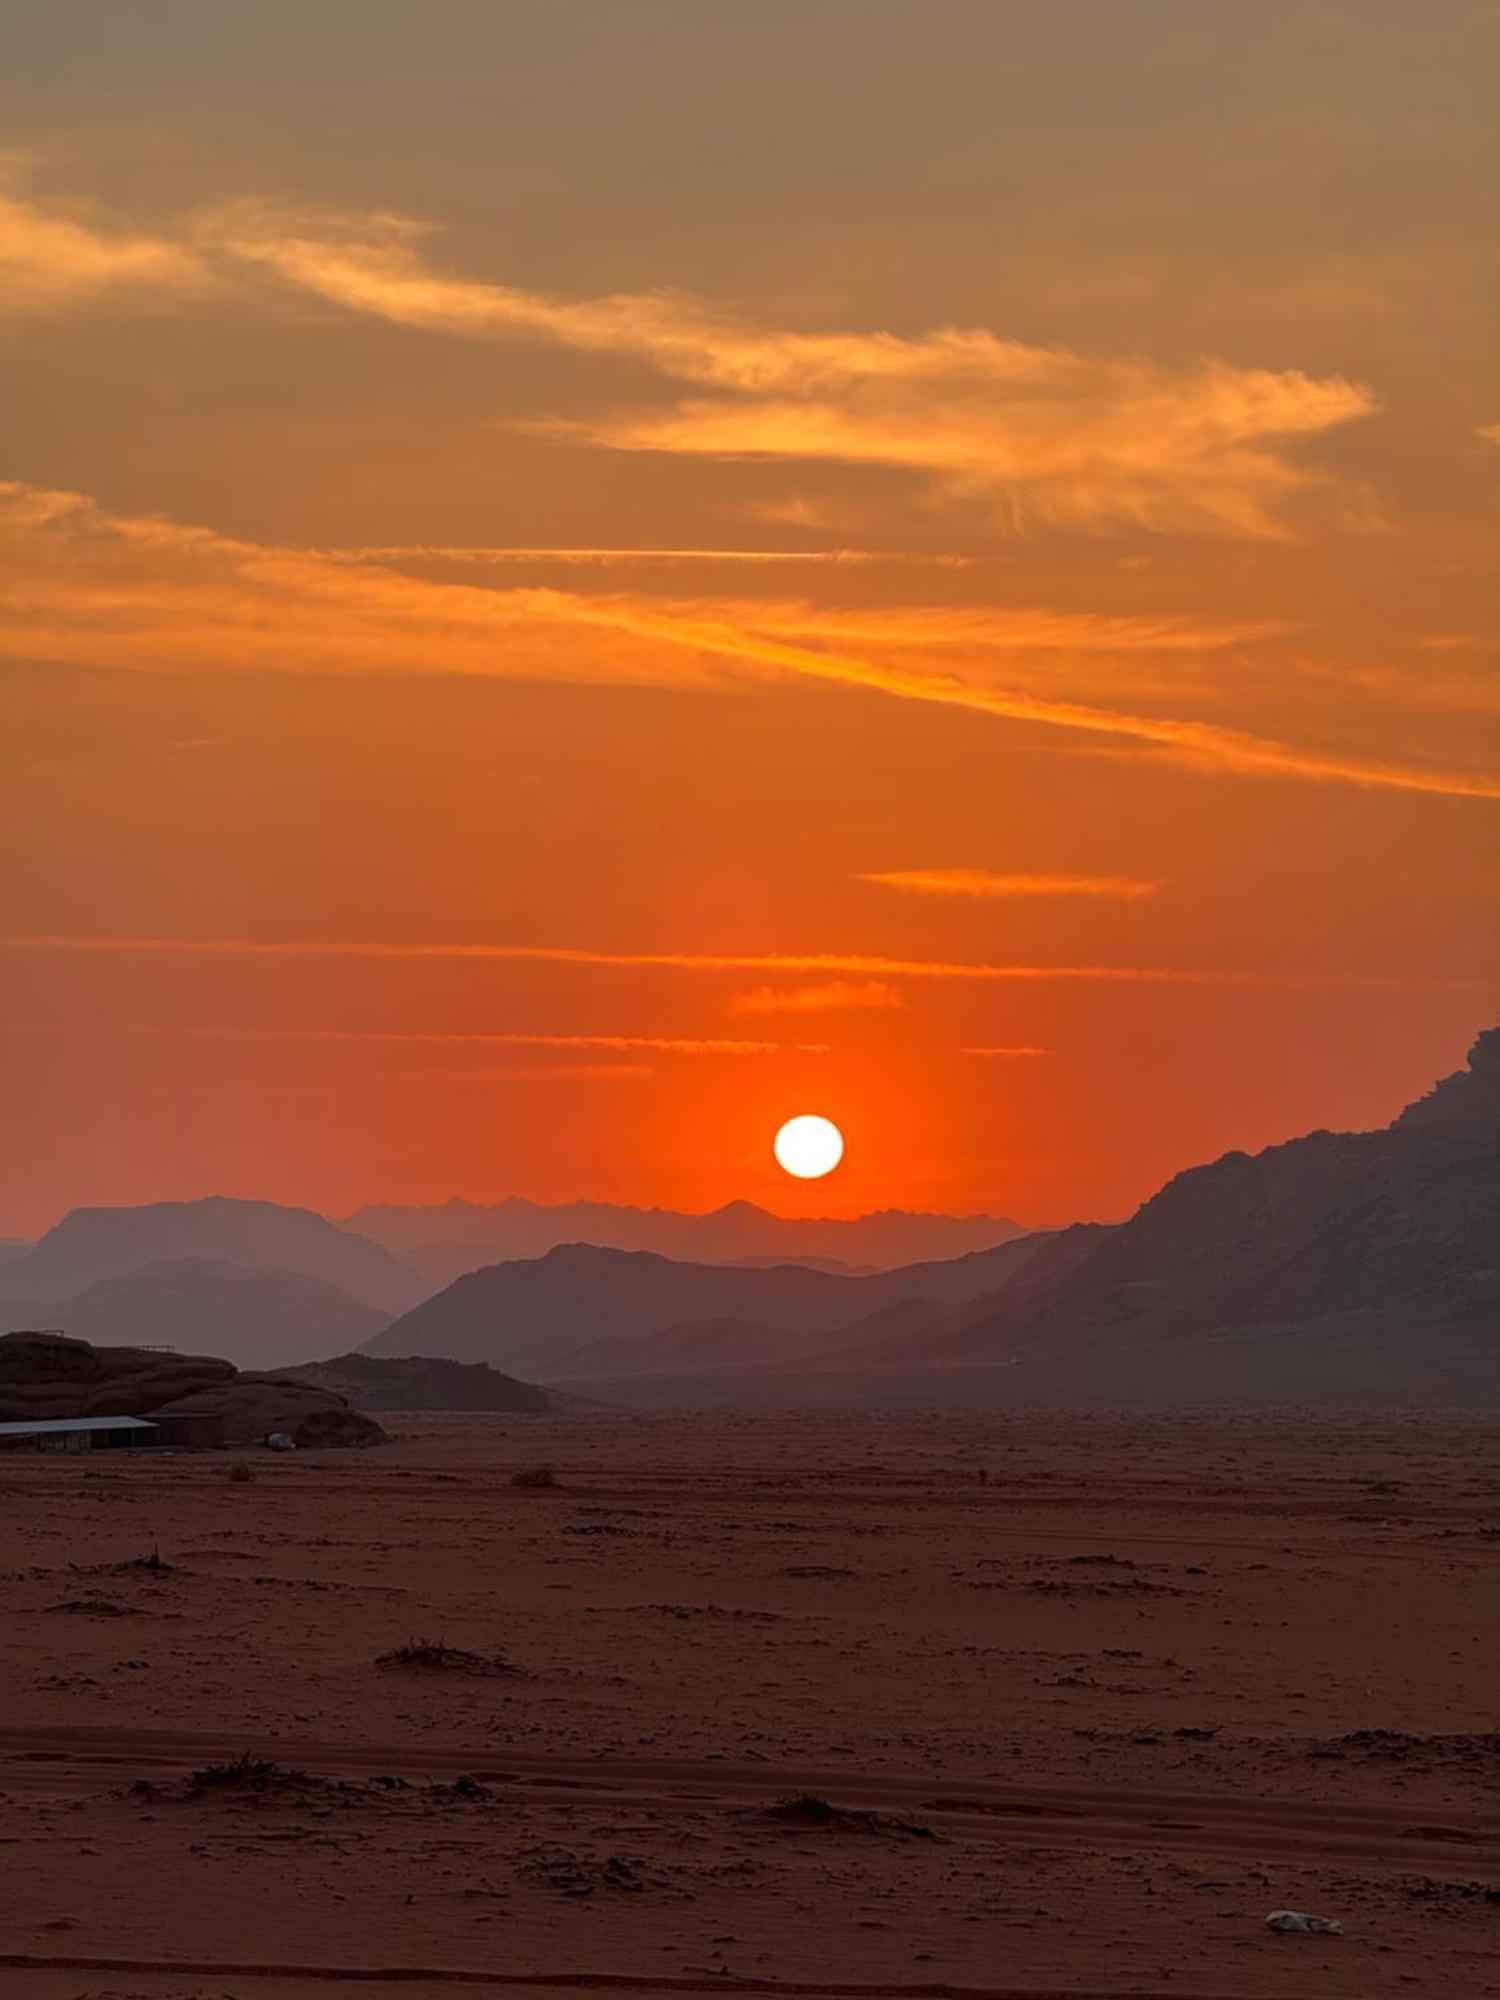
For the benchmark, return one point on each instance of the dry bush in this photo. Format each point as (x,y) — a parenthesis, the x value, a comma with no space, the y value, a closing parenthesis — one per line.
(534,1477)
(806,1809)
(435,1654)
(246,1772)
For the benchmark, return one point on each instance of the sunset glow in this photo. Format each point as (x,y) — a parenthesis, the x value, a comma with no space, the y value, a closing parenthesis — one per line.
(749,1030)
(560,602)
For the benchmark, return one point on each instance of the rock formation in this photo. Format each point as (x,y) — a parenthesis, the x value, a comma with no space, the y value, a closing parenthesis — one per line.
(194,1399)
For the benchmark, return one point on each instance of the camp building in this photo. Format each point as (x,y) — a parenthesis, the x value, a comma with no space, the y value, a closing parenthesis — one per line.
(77,1434)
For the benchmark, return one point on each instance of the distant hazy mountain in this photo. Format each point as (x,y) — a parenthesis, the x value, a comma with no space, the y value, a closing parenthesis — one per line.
(423,1383)
(94,1243)
(256,1319)
(458,1236)
(535,1316)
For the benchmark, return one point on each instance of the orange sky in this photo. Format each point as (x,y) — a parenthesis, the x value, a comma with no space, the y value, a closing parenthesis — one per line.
(577,579)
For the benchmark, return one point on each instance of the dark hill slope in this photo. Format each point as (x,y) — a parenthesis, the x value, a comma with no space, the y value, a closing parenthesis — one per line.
(421,1382)
(526,1315)
(721,1362)
(1363,1263)
(533,1314)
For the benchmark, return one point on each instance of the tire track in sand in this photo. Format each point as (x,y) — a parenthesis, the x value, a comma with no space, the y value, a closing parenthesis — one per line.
(48,1759)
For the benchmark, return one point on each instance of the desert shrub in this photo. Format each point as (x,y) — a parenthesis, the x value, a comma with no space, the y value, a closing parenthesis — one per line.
(243,1773)
(436,1655)
(806,1809)
(241,1472)
(152,1564)
(236,1778)
(534,1477)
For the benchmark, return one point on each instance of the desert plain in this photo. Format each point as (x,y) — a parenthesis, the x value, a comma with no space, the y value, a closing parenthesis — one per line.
(1022,1703)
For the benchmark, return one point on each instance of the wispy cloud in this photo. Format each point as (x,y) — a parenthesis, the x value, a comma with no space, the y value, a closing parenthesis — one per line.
(792,510)
(1028,433)
(1011,628)
(669,1045)
(861,964)
(55,256)
(85,586)
(1209,746)
(1035,433)
(835,996)
(984,882)
(518,1073)
(617,558)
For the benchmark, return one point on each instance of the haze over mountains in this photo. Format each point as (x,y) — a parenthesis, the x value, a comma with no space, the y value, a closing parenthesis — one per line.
(256,1319)
(456,1236)
(1354,1267)
(94,1243)
(1357,1267)
(266,1285)
(545,1315)
(256,1282)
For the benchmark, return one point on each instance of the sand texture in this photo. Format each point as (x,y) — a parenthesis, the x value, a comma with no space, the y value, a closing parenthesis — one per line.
(788,1705)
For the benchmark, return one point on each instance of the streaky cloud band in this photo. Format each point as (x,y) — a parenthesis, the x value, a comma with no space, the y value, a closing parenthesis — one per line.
(872,964)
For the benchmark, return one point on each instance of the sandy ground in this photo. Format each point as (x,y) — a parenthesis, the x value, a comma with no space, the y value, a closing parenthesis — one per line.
(1081,1726)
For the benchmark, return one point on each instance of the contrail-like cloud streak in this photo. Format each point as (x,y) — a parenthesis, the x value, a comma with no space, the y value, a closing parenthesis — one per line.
(866,964)
(87,587)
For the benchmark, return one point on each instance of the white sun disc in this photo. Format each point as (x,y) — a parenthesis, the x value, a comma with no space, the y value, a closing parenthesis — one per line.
(809,1146)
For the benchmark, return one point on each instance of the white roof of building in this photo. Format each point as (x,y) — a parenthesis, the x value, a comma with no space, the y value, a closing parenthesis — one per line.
(35,1426)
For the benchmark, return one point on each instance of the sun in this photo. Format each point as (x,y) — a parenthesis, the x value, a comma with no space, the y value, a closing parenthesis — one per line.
(809,1146)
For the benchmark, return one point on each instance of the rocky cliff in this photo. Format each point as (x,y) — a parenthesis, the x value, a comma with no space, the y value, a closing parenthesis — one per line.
(196,1399)
(1372,1253)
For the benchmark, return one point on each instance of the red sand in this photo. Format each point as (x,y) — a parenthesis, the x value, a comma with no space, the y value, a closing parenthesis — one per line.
(1128,1686)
